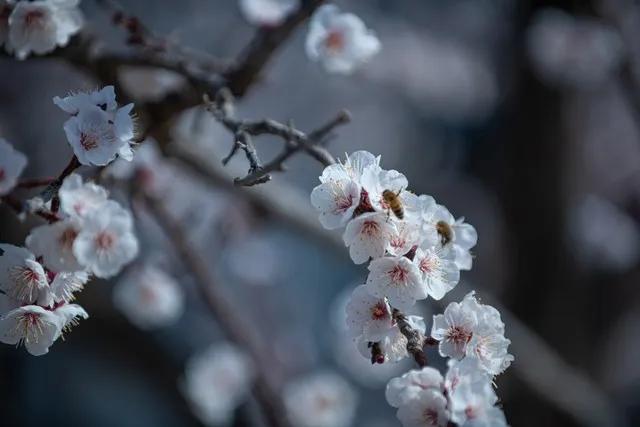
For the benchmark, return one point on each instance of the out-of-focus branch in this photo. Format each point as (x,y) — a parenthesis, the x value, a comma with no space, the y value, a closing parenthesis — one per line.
(294,140)
(230,322)
(265,43)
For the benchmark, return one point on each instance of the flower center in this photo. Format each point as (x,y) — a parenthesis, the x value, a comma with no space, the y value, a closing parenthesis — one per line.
(379,311)
(458,334)
(428,264)
(104,241)
(398,275)
(430,417)
(88,141)
(370,228)
(34,18)
(334,41)
(67,238)
(26,283)
(29,326)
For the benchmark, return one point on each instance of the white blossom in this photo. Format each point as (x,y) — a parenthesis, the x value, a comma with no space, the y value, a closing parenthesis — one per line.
(149,297)
(473,402)
(427,408)
(323,399)
(396,278)
(65,284)
(368,236)
(12,163)
(216,382)
(105,99)
(267,12)
(69,315)
(408,386)
(339,41)
(454,329)
(97,136)
(439,272)
(42,25)
(78,199)
(368,316)
(488,343)
(32,326)
(340,191)
(106,242)
(54,243)
(21,276)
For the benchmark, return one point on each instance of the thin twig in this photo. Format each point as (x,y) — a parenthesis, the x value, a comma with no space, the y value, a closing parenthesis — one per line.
(230,322)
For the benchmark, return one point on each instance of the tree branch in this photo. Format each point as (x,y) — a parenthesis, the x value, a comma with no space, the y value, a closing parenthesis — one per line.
(230,322)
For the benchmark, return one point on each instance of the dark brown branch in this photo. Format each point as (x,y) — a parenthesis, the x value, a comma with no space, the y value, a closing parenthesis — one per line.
(295,140)
(230,322)
(19,208)
(264,44)
(415,340)
(51,191)
(34,182)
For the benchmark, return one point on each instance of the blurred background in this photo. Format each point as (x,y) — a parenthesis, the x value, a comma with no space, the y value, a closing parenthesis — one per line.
(521,116)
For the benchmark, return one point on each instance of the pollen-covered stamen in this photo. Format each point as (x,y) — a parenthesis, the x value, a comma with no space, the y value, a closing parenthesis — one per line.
(430,417)
(104,241)
(398,275)
(458,335)
(34,18)
(26,283)
(370,228)
(379,311)
(335,41)
(29,326)
(88,141)
(67,237)
(342,200)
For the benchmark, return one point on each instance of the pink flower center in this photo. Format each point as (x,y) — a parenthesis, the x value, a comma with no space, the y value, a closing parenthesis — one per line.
(431,417)
(34,18)
(334,41)
(471,412)
(67,237)
(458,335)
(370,228)
(104,241)
(427,264)
(26,283)
(379,311)
(398,274)
(88,141)
(343,202)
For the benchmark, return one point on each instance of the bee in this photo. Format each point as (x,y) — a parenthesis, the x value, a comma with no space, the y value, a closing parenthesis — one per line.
(445,232)
(394,203)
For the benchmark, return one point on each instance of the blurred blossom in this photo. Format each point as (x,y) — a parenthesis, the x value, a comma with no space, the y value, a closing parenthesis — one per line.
(150,84)
(259,252)
(572,51)
(442,77)
(148,167)
(322,399)
(267,12)
(341,42)
(605,236)
(39,26)
(216,382)
(149,297)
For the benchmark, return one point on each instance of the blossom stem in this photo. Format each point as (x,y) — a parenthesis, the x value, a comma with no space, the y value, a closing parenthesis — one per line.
(34,182)
(415,340)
